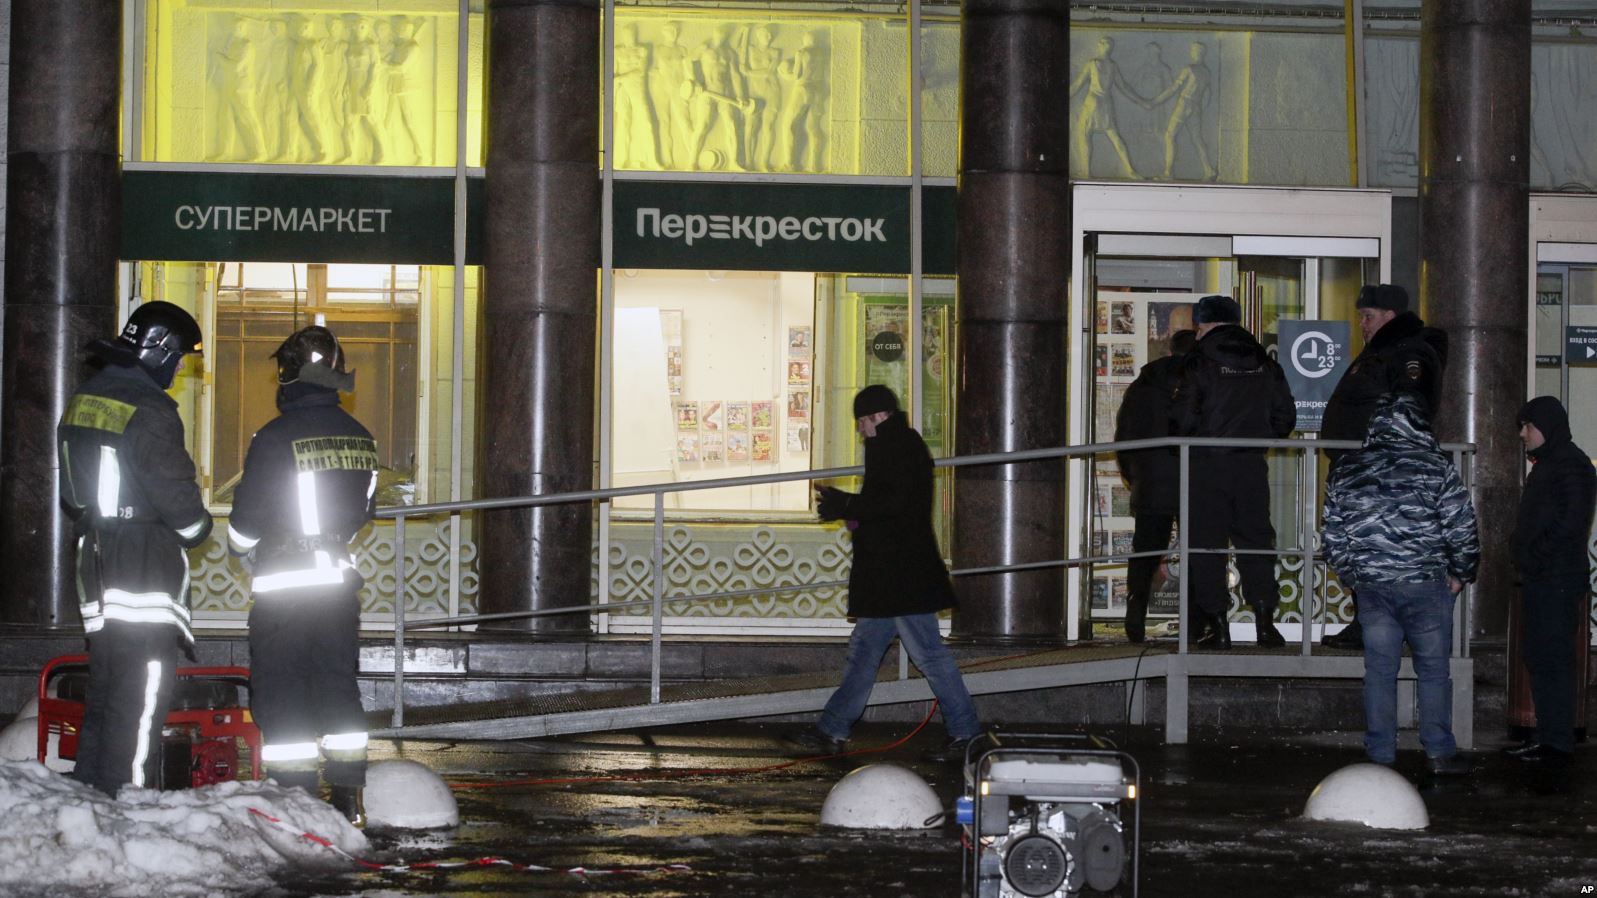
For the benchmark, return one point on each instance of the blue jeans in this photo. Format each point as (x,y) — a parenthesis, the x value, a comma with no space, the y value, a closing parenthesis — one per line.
(867,646)
(1422,614)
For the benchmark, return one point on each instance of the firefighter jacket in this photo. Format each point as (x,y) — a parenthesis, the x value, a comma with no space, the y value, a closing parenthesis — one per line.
(309,485)
(1396,510)
(1230,387)
(128,481)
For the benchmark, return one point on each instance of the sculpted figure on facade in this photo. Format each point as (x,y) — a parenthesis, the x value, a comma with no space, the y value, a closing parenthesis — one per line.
(399,62)
(1100,77)
(304,120)
(635,126)
(1191,90)
(670,69)
(361,66)
(237,134)
(334,59)
(275,87)
(719,102)
(802,135)
(760,62)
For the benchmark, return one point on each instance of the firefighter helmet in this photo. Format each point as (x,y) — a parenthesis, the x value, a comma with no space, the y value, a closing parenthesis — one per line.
(156,338)
(312,355)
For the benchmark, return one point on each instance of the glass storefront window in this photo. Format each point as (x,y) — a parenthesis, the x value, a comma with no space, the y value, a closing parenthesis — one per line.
(298,84)
(739,87)
(714,376)
(939,91)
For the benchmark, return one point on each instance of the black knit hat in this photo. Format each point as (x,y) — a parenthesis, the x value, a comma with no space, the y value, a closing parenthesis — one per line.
(874,398)
(1391,297)
(1217,310)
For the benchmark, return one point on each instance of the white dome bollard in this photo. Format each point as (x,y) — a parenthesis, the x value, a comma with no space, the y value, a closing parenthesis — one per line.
(1378,797)
(408,795)
(881,796)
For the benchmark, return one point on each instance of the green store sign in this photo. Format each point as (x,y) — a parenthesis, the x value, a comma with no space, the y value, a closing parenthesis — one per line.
(256,217)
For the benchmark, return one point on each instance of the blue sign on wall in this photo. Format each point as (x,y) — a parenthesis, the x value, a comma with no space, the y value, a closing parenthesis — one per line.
(1314,355)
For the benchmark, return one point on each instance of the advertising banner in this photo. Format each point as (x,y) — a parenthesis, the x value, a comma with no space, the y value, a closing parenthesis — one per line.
(1315,355)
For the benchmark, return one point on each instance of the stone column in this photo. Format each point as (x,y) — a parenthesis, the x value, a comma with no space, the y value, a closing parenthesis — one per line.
(1014,261)
(1474,228)
(63,224)
(539,318)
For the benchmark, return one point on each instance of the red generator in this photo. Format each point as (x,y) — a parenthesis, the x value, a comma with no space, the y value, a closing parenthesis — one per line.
(209,736)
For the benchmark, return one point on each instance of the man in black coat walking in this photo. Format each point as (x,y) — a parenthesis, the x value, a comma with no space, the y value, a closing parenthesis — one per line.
(1153,475)
(1230,387)
(897,583)
(1549,544)
(1400,355)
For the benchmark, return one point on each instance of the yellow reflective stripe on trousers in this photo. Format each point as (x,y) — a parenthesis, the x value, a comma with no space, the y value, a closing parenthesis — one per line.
(141,751)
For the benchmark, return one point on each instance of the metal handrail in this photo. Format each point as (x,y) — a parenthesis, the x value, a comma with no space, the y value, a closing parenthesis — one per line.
(1184,445)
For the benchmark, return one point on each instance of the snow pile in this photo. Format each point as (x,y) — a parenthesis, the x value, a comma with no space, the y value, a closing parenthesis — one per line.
(62,837)
(408,795)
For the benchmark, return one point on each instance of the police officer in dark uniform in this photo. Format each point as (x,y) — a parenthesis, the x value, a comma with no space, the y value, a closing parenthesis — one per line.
(1153,475)
(1400,355)
(128,481)
(1230,387)
(309,485)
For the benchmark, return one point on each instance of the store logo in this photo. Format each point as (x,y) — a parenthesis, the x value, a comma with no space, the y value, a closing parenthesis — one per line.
(887,346)
(759,228)
(322,220)
(1314,354)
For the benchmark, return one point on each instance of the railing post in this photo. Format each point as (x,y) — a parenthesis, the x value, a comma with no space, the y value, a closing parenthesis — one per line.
(1307,482)
(1182,585)
(399,621)
(659,594)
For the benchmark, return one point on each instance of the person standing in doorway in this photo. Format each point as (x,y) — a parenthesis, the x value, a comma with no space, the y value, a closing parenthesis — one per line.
(1549,544)
(1400,355)
(128,482)
(1153,475)
(1230,387)
(898,581)
(309,486)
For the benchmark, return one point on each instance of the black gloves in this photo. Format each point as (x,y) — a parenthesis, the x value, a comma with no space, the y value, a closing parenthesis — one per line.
(832,503)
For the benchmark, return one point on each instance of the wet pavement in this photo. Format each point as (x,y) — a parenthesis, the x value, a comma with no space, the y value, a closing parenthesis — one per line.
(1220,817)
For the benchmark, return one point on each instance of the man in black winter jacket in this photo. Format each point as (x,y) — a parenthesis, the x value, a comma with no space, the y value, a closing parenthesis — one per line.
(1230,387)
(309,486)
(1549,545)
(1151,474)
(897,582)
(128,481)
(1400,355)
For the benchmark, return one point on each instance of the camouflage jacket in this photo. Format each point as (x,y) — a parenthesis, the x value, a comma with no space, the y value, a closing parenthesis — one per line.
(1396,510)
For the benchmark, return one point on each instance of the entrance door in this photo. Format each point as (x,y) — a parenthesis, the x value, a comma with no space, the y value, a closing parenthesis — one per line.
(1139,290)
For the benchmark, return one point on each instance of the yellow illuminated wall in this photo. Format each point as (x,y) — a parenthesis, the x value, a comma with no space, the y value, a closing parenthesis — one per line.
(264,81)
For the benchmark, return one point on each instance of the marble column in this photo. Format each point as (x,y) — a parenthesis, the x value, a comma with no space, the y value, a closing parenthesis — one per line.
(63,221)
(1474,228)
(1013,261)
(539,317)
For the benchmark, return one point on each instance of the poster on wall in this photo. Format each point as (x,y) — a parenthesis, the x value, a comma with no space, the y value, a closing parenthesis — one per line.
(712,415)
(1123,361)
(688,446)
(737,416)
(1100,593)
(687,415)
(799,342)
(712,446)
(671,336)
(737,446)
(798,373)
(1122,318)
(886,340)
(798,438)
(760,413)
(761,445)
(798,405)
(1101,318)
(1101,360)
(1164,319)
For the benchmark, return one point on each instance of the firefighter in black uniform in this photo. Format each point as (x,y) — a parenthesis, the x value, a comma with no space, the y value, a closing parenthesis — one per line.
(1230,387)
(128,481)
(1400,355)
(309,485)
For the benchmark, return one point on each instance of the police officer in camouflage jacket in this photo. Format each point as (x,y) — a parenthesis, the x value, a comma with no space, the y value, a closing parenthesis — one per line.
(1399,527)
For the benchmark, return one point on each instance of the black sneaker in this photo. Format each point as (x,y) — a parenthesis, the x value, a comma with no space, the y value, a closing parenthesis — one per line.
(1349,639)
(813,740)
(951,751)
(1452,765)
(1544,755)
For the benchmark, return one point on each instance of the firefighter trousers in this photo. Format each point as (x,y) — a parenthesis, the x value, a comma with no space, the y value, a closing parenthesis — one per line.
(132,672)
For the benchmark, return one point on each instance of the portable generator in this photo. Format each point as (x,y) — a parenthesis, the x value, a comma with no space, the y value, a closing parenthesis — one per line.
(1045,816)
(209,736)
